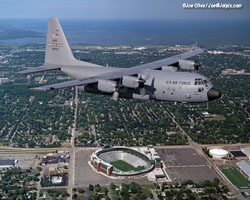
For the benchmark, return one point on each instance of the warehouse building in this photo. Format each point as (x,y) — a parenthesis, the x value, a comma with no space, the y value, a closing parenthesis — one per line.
(7,163)
(244,167)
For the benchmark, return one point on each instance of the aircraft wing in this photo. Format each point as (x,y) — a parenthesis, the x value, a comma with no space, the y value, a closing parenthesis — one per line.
(65,84)
(123,71)
(45,67)
(168,61)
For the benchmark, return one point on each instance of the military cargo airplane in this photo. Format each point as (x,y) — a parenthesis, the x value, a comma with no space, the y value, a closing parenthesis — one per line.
(159,80)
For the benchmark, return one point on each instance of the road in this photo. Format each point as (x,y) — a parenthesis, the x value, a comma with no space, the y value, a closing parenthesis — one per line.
(154,194)
(14,150)
(72,150)
(14,133)
(39,182)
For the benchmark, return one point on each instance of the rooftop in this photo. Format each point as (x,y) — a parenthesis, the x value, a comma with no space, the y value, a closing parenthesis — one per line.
(244,166)
(246,151)
(7,162)
(56,179)
(218,151)
(238,154)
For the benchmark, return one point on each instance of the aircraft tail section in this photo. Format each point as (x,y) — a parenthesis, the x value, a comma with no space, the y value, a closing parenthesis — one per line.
(58,51)
(57,48)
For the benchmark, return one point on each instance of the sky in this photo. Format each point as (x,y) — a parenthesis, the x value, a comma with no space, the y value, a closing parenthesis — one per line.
(119,9)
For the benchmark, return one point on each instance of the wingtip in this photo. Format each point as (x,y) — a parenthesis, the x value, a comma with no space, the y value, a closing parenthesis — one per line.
(39,89)
(21,72)
(26,71)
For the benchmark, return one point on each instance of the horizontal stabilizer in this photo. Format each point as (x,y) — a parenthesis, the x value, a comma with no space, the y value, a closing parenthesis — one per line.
(39,69)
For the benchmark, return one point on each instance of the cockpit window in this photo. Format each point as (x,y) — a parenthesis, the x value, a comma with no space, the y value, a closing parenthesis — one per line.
(199,81)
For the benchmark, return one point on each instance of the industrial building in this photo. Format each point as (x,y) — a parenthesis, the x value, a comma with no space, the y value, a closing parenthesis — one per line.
(55,158)
(7,163)
(244,167)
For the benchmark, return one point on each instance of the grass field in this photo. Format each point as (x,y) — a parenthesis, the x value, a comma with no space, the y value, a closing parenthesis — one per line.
(122,165)
(235,177)
(216,117)
(146,188)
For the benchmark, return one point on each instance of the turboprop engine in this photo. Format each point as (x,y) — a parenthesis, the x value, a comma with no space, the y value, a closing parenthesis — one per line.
(106,86)
(130,81)
(135,82)
(109,87)
(187,65)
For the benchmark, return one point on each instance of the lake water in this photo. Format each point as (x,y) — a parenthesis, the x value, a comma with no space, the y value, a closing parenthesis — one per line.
(208,33)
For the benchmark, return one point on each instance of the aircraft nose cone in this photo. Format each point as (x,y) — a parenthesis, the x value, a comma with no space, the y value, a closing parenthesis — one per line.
(213,94)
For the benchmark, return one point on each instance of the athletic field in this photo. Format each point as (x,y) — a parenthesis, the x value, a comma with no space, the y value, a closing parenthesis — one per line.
(235,177)
(122,165)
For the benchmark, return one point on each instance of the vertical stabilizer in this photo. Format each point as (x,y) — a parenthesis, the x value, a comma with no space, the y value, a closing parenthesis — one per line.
(58,51)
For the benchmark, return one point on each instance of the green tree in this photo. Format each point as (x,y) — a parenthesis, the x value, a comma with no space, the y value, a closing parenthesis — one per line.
(91,187)
(75,196)
(112,186)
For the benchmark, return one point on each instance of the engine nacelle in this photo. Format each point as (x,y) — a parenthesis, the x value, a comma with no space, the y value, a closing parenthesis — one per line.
(130,81)
(106,86)
(186,64)
(169,68)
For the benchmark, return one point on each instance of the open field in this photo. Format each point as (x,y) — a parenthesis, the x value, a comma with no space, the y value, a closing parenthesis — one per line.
(235,177)
(146,188)
(122,165)
(216,117)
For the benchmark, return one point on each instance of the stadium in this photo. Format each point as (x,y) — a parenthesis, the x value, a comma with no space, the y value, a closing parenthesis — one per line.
(122,161)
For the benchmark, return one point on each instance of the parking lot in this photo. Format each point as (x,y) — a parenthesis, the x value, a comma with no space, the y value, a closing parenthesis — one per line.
(185,164)
(47,181)
(180,157)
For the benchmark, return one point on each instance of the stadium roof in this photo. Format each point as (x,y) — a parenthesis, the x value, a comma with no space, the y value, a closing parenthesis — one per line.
(244,166)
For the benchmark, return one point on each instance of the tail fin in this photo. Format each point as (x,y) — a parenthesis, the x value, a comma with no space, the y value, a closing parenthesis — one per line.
(58,51)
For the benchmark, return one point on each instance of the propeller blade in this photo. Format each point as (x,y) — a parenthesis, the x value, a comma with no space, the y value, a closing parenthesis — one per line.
(196,65)
(115,96)
(143,91)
